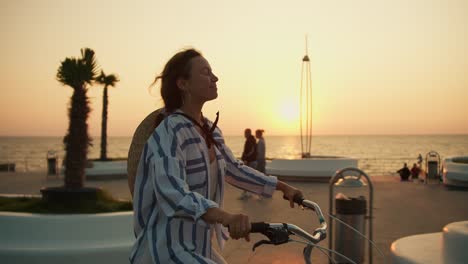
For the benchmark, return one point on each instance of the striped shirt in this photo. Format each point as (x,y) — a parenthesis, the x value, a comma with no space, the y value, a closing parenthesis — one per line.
(172,193)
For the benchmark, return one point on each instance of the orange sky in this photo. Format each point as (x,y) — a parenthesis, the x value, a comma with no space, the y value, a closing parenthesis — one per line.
(378,67)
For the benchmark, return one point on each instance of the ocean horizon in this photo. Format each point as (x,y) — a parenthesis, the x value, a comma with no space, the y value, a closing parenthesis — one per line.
(378,155)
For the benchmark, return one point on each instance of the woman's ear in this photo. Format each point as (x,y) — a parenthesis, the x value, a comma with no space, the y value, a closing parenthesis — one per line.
(181,84)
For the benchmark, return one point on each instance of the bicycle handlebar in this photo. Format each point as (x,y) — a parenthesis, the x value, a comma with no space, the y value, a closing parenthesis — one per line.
(278,233)
(259,227)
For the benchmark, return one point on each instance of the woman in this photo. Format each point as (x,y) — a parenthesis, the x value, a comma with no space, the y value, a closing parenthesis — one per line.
(179,186)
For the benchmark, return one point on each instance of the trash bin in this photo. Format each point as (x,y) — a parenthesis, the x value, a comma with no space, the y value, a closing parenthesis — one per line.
(352,211)
(52,162)
(432,165)
(432,169)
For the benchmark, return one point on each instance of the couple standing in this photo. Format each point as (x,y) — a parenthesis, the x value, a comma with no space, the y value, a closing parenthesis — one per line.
(254,153)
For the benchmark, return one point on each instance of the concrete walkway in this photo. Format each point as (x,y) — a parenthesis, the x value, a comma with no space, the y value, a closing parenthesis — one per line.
(400,209)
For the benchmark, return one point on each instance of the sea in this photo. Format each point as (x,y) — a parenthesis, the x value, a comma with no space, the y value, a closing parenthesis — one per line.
(377,155)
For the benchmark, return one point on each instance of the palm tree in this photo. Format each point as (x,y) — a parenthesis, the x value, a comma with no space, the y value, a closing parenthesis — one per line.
(106,80)
(77,73)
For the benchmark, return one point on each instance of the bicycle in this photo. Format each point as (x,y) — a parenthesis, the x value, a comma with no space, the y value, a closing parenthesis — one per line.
(279,233)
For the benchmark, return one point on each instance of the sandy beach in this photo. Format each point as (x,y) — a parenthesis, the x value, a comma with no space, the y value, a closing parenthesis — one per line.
(400,209)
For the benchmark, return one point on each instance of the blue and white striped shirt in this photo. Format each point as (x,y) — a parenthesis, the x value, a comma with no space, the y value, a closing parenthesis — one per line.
(172,193)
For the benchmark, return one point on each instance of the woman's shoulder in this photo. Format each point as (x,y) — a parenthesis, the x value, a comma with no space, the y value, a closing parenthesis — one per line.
(171,127)
(172,123)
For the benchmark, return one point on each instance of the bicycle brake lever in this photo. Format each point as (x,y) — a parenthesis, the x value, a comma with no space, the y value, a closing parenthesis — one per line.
(259,243)
(277,236)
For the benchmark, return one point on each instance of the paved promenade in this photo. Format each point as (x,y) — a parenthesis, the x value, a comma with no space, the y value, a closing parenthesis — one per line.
(400,209)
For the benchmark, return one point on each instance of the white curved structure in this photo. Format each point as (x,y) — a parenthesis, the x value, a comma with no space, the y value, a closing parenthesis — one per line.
(107,170)
(455,172)
(455,242)
(73,238)
(448,247)
(417,249)
(315,168)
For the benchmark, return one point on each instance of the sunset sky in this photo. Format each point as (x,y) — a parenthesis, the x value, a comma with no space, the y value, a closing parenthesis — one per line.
(378,67)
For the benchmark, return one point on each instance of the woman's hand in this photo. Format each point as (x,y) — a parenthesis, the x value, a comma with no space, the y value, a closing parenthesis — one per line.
(238,224)
(289,192)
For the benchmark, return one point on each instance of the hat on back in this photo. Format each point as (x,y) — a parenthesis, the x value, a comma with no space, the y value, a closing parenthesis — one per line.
(141,135)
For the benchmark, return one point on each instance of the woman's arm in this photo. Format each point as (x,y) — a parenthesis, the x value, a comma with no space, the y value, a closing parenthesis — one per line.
(246,178)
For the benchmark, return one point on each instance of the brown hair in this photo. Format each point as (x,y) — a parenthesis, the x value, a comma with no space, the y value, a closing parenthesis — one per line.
(178,66)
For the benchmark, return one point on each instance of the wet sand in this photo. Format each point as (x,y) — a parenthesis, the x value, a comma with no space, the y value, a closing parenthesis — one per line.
(400,209)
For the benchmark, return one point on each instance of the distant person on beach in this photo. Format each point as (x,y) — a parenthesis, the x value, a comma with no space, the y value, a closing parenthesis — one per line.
(420,160)
(249,155)
(404,172)
(179,184)
(415,170)
(261,150)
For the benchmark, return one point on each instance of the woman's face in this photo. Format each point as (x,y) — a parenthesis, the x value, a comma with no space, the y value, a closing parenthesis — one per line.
(201,86)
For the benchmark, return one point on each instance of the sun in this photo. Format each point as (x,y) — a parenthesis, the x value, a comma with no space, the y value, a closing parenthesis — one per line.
(284,119)
(289,111)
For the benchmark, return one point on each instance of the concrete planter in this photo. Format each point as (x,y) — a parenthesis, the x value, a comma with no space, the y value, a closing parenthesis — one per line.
(73,238)
(448,246)
(455,172)
(314,168)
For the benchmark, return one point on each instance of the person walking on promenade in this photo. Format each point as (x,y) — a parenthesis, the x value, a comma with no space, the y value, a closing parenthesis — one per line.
(179,186)
(261,150)
(404,172)
(249,155)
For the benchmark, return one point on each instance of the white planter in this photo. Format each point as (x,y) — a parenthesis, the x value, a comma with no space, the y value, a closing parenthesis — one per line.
(448,246)
(455,171)
(72,238)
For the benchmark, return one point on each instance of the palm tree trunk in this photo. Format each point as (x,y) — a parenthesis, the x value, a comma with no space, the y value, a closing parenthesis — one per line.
(104,125)
(77,140)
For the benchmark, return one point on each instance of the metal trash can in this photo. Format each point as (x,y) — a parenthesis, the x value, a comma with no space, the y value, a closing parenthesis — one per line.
(432,169)
(52,162)
(433,165)
(352,211)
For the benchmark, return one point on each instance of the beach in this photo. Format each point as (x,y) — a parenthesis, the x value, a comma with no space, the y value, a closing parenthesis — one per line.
(400,209)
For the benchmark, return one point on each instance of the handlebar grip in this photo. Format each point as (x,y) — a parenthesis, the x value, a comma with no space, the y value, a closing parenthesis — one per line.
(259,227)
(297,199)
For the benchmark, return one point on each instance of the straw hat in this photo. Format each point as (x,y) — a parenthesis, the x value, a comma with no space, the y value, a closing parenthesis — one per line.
(141,135)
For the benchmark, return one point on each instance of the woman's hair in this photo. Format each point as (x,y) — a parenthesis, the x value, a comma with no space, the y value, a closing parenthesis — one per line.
(177,67)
